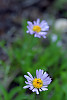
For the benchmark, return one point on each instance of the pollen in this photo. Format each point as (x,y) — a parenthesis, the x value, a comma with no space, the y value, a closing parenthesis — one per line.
(36,29)
(37,83)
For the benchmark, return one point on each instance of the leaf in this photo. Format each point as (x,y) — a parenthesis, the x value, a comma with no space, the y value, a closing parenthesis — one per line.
(14,91)
(0,97)
(5,94)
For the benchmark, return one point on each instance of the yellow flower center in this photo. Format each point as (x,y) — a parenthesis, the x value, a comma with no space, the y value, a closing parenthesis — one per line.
(37,83)
(36,29)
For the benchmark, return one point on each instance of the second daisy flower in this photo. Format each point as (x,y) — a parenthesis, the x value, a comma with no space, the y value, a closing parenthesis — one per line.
(37,28)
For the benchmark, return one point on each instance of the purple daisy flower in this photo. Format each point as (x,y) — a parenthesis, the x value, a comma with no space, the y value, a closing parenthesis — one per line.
(37,28)
(40,83)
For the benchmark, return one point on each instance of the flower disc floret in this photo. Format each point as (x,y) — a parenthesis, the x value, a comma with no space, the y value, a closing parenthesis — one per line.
(37,83)
(36,29)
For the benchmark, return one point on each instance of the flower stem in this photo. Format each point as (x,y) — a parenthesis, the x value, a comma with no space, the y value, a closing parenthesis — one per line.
(36,97)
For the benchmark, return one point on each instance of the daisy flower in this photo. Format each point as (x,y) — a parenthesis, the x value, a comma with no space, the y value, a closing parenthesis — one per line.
(40,83)
(37,28)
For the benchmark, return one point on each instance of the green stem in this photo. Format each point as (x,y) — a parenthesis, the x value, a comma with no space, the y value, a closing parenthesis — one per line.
(36,97)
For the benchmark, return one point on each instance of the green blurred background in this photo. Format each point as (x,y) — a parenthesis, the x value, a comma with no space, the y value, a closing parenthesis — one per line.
(21,52)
